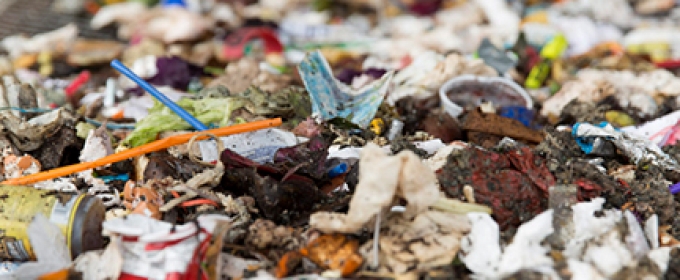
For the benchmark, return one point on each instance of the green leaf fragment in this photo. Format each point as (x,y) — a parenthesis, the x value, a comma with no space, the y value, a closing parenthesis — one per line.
(208,111)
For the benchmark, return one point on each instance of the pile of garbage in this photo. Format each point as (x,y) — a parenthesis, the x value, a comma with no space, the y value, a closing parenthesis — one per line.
(300,139)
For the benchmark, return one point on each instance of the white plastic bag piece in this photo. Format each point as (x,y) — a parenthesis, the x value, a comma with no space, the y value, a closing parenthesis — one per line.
(526,250)
(106,264)
(598,249)
(652,231)
(49,245)
(259,146)
(480,250)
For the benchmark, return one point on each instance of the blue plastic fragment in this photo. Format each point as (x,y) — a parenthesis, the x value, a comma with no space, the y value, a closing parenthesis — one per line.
(170,3)
(7,268)
(586,142)
(338,170)
(119,177)
(333,99)
(520,113)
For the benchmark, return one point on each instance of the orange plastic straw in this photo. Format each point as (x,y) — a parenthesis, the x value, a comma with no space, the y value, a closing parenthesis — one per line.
(141,150)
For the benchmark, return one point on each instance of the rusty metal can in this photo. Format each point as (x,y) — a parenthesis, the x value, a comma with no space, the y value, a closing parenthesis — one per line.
(79,216)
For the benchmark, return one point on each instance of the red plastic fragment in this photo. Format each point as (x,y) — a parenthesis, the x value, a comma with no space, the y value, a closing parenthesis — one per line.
(235,43)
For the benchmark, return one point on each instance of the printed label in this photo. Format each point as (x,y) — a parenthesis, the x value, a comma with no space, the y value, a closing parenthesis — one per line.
(12,248)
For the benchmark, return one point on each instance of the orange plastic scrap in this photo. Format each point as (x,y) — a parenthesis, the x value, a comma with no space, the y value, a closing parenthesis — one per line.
(614,47)
(142,200)
(288,263)
(336,252)
(611,46)
(665,238)
(57,275)
(141,150)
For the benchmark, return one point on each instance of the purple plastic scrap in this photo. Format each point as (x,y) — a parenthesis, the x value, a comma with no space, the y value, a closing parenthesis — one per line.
(675,188)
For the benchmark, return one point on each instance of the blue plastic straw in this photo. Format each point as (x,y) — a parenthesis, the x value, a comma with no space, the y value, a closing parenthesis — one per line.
(198,125)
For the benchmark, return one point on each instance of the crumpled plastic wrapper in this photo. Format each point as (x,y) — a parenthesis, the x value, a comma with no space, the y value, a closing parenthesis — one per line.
(259,146)
(50,248)
(333,99)
(632,90)
(639,150)
(610,254)
(105,264)
(482,254)
(599,247)
(430,71)
(656,130)
(177,244)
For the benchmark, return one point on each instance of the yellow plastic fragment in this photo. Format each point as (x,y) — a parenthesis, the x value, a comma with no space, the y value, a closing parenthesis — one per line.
(618,118)
(377,126)
(45,61)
